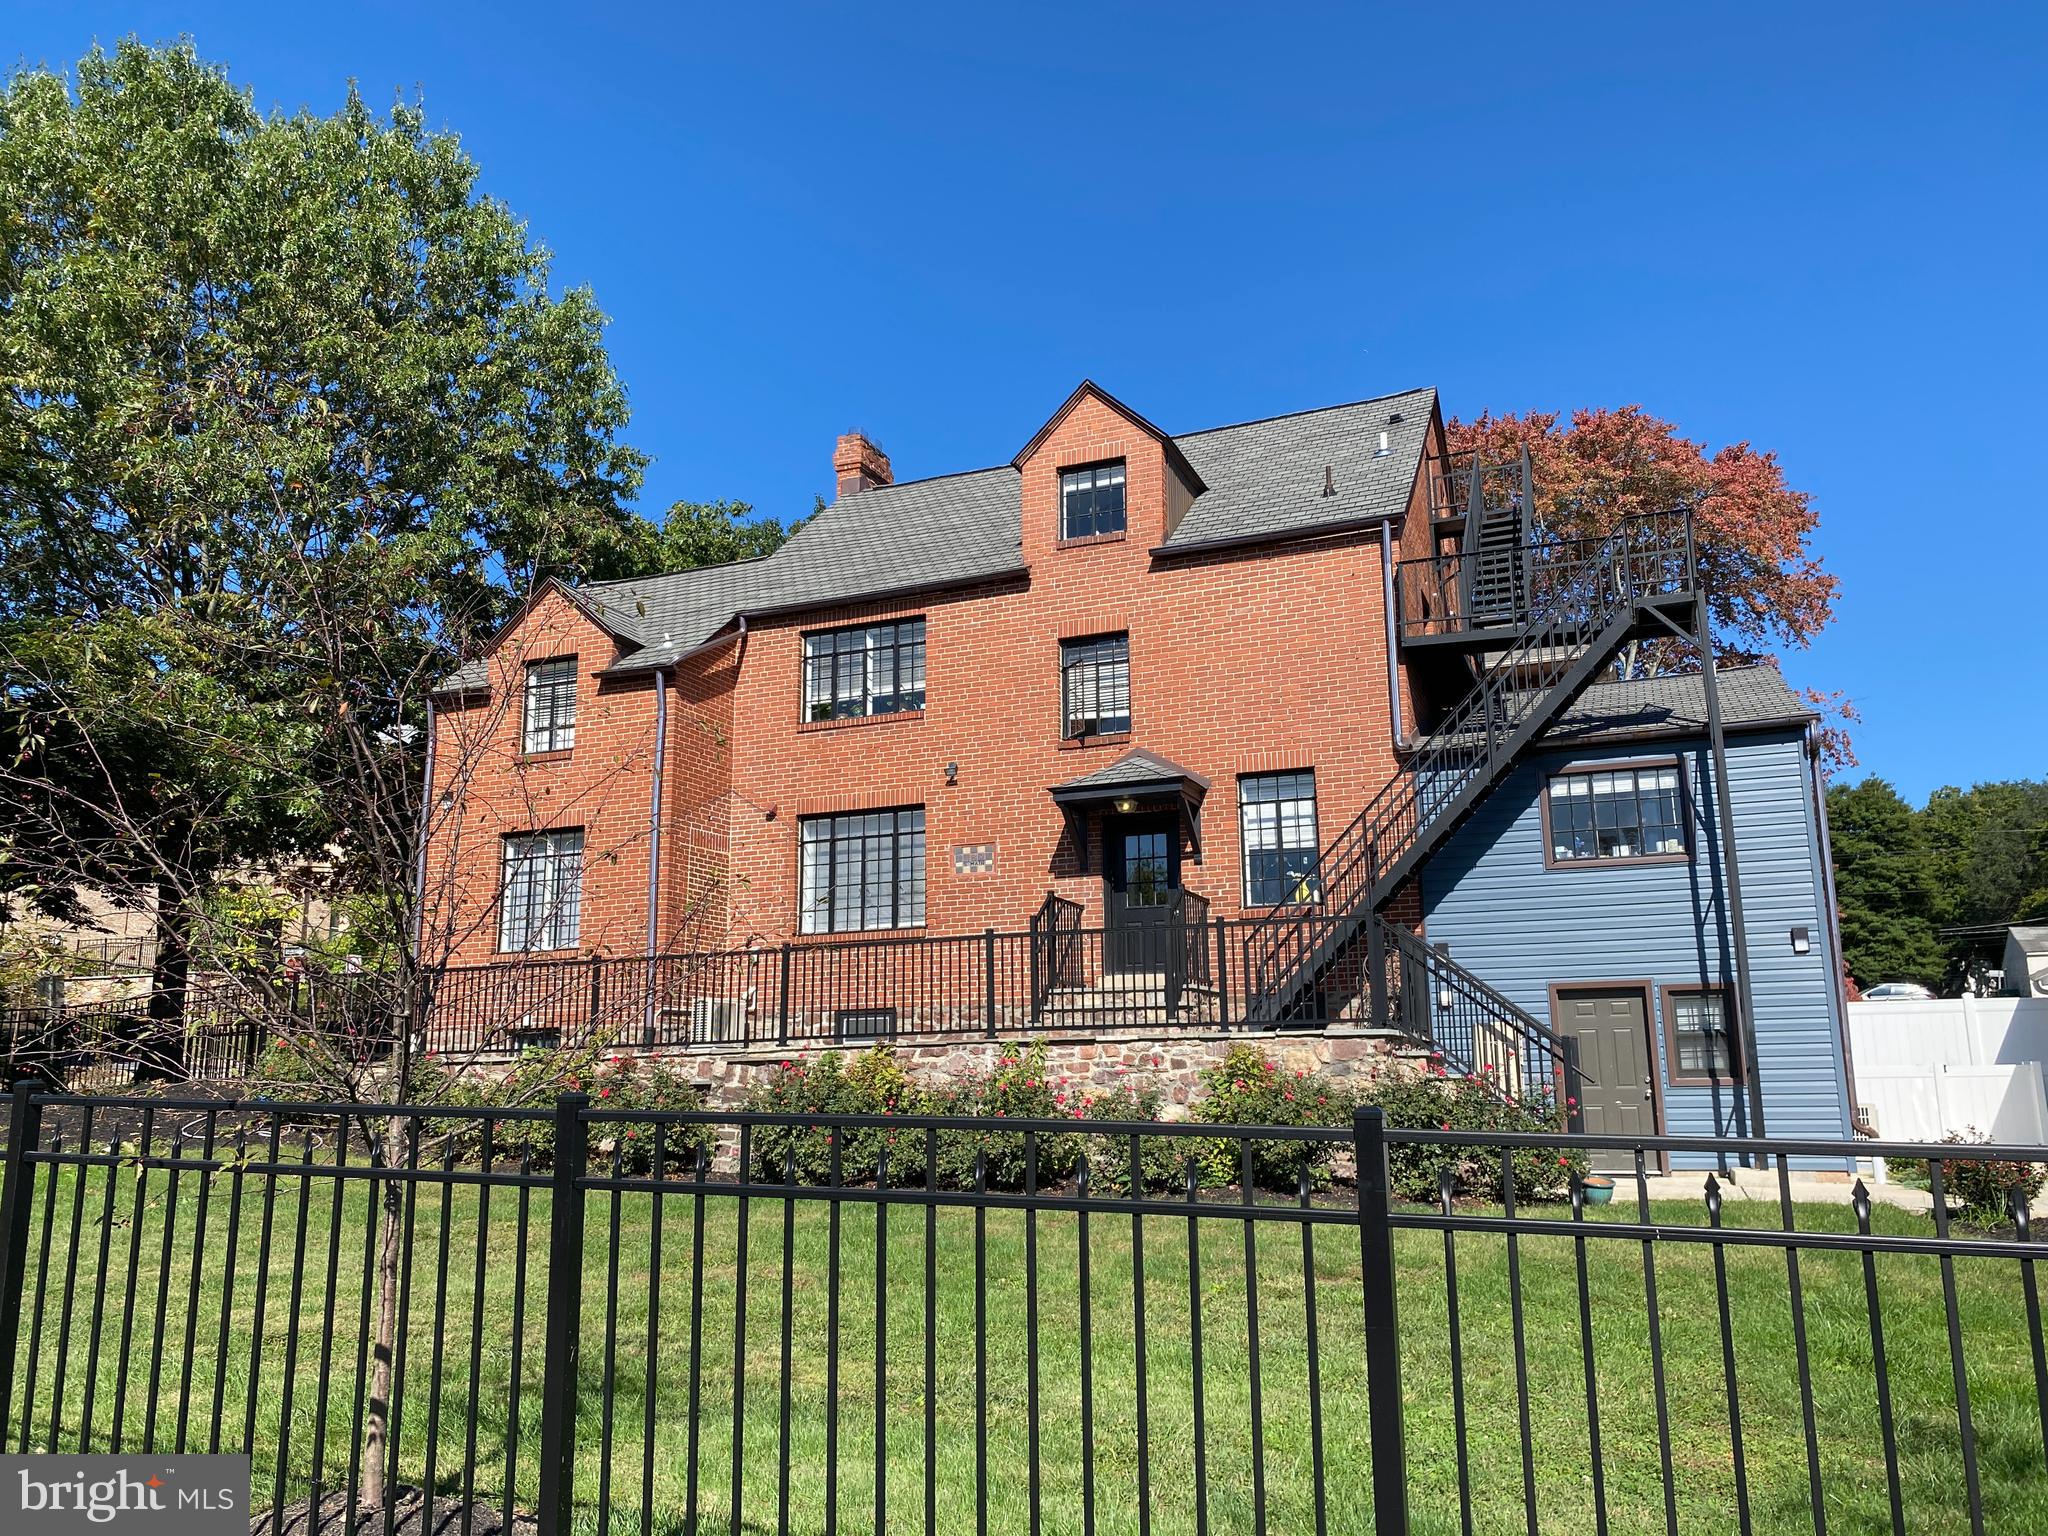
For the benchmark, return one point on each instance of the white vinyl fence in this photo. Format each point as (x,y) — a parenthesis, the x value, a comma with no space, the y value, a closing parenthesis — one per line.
(1966,1065)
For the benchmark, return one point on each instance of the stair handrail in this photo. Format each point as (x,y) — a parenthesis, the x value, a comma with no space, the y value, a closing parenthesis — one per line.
(1539,1053)
(1634,562)
(1055,930)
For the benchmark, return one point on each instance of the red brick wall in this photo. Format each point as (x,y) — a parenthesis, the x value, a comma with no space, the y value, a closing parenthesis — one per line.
(485,788)
(1263,659)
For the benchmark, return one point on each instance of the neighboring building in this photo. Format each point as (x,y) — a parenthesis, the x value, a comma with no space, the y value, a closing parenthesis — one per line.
(1589,889)
(1139,729)
(2026,962)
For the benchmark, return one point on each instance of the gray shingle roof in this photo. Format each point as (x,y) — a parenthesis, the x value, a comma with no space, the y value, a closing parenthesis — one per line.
(1266,477)
(1751,697)
(1136,766)
(1262,479)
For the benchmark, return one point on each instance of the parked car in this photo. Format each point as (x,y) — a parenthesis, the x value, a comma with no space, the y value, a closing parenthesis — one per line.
(1897,991)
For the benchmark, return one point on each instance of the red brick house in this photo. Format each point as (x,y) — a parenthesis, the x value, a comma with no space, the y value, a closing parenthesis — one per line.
(1180,717)
(956,648)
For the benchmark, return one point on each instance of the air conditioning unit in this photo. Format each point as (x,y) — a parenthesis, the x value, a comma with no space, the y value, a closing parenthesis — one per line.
(718,1021)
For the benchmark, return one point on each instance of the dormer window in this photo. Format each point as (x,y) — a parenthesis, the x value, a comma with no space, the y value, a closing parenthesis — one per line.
(549,723)
(1092,500)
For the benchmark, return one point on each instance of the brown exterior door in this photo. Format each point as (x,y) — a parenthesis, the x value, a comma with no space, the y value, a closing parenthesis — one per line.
(1617,1096)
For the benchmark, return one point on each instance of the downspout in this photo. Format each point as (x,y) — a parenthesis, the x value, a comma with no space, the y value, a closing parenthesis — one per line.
(1393,649)
(654,841)
(1731,875)
(1837,996)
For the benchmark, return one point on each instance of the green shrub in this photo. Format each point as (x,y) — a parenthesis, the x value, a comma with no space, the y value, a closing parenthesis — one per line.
(1248,1088)
(1021,1087)
(873,1083)
(628,1146)
(1986,1186)
(1162,1160)
(1429,1099)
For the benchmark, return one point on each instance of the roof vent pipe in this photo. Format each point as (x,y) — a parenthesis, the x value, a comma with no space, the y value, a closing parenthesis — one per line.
(1381,451)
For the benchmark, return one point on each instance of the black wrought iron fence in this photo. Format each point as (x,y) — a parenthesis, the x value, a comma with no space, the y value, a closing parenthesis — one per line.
(212,1033)
(689,1321)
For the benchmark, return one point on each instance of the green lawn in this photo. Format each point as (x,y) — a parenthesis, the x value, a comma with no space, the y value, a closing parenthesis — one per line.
(1993,1315)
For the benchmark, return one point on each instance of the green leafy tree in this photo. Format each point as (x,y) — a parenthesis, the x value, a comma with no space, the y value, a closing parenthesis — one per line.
(1884,879)
(1989,846)
(291,418)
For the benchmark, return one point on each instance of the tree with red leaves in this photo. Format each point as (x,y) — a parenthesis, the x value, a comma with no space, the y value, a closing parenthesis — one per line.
(1767,590)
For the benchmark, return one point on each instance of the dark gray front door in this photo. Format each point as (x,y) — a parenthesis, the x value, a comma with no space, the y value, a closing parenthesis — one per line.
(1617,1095)
(1143,872)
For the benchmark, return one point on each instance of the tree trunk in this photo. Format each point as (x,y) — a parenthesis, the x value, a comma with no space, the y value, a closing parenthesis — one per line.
(377,1448)
(384,1338)
(162,1053)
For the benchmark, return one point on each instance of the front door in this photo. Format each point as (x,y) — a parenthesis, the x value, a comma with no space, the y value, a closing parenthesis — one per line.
(1142,871)
(1617,1095)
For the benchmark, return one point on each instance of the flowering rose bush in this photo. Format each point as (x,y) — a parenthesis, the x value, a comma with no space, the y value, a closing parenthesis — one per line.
(1428,1098)
(628,1146)
(1022,1087)
(1162,1160)
(1986,1186)
(1248,1088)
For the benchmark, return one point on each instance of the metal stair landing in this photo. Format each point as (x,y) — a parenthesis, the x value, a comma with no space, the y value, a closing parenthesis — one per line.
(1640,579)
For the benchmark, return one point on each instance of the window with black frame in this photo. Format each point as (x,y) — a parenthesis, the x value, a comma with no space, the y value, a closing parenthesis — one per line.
(1092,500)
(548,721)
(540,899)
(1277,814)
(874,670)
(1095,686)
(861,871)
(1636,812)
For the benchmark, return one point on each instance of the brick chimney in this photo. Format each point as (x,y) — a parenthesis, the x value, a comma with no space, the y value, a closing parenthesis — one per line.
(860,464)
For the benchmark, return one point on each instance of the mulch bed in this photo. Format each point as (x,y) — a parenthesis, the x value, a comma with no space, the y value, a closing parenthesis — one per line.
(408,1518)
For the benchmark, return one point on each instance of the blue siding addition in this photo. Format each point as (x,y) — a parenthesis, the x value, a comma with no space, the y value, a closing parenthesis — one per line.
(1524,927)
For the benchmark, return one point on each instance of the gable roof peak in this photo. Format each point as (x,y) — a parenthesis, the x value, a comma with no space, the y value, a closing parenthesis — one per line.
(1088,389)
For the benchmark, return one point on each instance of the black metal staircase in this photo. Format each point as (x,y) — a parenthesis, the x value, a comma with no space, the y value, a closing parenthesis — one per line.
(1585,607)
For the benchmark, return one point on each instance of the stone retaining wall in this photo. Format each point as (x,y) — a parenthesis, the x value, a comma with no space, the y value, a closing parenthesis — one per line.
(1173,1061)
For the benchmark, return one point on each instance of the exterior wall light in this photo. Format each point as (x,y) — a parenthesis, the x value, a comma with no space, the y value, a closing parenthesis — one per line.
(1802,941)
(952,773)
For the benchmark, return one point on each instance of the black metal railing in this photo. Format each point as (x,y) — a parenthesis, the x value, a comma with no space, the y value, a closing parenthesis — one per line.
(212,1033)
(1058,975)
(1055,929)
(444,1319)
(1523,690)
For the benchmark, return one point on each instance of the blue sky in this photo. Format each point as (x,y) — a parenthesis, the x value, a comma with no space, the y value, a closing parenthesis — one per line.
(1820,228)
